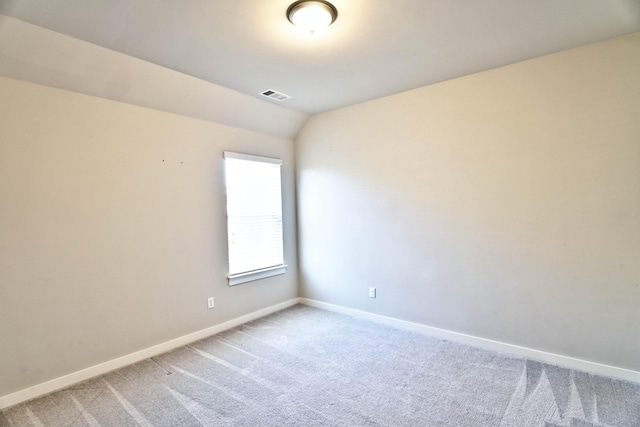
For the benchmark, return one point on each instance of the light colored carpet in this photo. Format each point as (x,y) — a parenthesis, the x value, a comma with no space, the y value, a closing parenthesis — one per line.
(309,367)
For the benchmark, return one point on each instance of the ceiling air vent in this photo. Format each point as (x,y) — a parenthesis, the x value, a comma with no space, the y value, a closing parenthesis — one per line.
(272,94)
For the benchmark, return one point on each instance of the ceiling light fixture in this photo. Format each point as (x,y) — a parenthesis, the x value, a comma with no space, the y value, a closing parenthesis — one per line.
(312,15)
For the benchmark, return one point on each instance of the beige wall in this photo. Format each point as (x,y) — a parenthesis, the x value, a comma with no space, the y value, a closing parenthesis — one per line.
(504,205)
(112,230)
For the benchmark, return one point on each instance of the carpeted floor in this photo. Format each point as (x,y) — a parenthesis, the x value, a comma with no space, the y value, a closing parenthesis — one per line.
(309,367)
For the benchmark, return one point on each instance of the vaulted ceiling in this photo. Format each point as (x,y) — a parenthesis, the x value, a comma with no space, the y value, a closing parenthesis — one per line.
(375,47)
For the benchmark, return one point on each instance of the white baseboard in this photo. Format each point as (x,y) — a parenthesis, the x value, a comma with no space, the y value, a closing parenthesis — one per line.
(529,353)
(93,371)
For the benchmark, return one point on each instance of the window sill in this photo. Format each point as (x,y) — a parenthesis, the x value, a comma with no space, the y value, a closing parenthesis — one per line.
(250,276)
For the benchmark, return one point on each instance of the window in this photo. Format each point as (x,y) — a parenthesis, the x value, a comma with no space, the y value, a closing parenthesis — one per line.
(254,217)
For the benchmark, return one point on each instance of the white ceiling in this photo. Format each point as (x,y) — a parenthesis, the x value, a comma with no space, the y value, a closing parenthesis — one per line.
(375,47)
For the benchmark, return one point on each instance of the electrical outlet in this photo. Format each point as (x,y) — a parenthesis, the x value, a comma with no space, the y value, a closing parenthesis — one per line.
(372,292)
(210,303)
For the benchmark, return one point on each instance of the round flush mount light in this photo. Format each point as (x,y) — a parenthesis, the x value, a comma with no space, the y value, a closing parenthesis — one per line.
(312,16)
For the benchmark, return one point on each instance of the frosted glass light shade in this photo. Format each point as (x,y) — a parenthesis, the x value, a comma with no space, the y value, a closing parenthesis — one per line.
(312,15)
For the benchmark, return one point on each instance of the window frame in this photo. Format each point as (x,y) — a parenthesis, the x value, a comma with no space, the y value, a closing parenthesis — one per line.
(249,276)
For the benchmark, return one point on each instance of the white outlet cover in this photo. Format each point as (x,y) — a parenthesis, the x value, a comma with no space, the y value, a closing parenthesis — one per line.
(210,302)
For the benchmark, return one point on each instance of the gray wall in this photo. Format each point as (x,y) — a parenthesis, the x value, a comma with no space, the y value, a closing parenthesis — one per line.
(112,230)
(504,205)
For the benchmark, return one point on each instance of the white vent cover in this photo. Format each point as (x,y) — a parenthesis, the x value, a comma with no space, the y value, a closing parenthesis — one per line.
(272,94)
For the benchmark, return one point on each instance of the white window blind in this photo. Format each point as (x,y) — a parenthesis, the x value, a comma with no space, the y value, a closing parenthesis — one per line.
(254,217)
